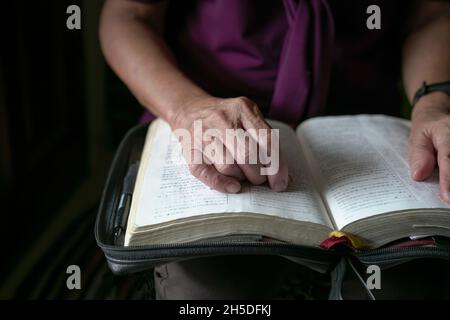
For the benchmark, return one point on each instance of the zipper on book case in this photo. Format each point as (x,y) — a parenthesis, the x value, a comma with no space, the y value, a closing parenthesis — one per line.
(389,254)
(143,252)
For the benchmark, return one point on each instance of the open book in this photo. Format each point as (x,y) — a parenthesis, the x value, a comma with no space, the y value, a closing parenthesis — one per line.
(347,173)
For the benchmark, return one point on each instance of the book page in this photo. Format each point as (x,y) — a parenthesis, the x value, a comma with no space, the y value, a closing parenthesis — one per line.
(301,201)
(363,166)
(168,191)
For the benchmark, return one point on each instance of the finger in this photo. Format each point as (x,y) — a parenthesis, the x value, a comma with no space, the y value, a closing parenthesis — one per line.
(280,180)
(240,146)
(268,142)
(252,118)
(422,159)
(252,121)
(246,154)
(275,164)
(232,170)
(209,175)
(442,144)
(215,150)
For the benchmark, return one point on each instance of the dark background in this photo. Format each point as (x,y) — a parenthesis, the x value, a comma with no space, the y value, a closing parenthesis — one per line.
(62,114)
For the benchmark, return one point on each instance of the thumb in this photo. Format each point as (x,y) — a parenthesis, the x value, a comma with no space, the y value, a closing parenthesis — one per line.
(422,159)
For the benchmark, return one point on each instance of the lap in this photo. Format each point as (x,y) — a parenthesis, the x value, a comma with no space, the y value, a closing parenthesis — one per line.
(272,277)
(237,277)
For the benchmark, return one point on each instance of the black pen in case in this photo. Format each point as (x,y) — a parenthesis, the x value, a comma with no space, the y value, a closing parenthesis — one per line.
(125,201)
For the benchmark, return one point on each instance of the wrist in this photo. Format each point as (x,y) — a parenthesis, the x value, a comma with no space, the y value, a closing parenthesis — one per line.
(426,89)
(181,109)
(433,101)
(434,98)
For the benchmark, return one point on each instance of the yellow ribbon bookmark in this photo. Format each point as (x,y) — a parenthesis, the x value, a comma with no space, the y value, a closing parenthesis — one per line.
(356,242)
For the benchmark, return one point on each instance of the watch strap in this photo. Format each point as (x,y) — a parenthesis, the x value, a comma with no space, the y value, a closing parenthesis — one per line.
(427,88)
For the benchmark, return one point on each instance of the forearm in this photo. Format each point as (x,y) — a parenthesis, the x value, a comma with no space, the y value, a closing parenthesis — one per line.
(131,40)
(426,57)
(426,52)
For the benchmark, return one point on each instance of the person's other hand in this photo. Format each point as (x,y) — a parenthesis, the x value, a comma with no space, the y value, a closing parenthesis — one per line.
(221,114)
(429,142)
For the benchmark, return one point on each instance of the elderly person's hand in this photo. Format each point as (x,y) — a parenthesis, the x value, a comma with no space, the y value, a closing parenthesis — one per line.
(425,58)
(131,34)
(430,140)
(218,116)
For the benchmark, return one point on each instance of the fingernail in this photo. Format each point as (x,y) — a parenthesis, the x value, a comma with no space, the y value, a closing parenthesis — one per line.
(232,187)
(416,171)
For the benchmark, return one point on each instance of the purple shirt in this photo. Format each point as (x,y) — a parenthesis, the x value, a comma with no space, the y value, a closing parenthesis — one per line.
(295,58)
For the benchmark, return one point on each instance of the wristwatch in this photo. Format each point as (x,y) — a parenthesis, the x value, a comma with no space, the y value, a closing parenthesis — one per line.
(427,88)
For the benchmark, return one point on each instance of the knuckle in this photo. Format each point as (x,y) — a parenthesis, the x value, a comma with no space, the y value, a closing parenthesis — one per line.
(237,110)
(260,123)
(199,171)
(244,101)
(247,106)
(234,109)
(220,116)
(251,110)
